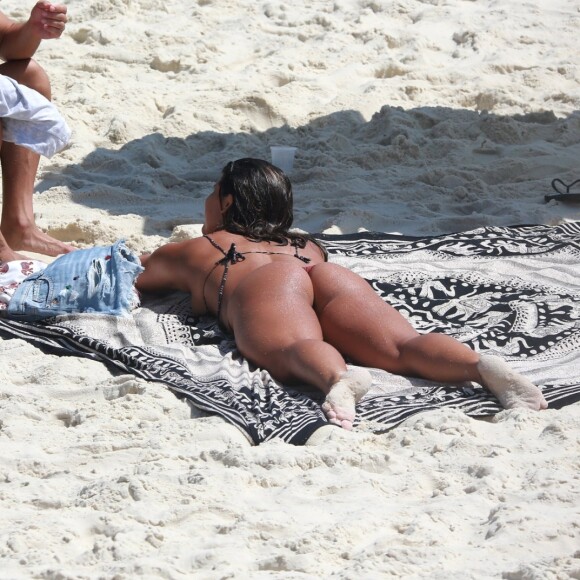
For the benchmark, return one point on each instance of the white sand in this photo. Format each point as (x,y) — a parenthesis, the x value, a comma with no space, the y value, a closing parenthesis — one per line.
(409,116)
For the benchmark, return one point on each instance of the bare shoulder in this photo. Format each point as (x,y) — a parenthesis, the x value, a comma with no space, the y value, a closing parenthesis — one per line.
(196,249)
(172,266)
(180,250)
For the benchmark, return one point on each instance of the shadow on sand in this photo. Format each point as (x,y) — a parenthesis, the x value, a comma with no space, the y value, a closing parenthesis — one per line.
(341,154)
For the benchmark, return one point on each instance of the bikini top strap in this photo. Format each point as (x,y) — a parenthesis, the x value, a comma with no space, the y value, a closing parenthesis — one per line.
(232,256)
(297,255)
(214,244)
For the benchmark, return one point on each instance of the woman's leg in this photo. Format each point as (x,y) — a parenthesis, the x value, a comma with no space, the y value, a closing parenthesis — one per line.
(276,328)
(359,324)
(372,333)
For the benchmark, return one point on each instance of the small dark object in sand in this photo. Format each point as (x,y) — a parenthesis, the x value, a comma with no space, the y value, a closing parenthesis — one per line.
(558,185)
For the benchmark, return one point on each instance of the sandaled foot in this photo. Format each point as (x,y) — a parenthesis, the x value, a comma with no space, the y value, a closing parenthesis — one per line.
(339,405)
(512,389)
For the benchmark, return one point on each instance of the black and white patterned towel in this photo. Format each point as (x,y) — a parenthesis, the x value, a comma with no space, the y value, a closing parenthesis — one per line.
(510,291)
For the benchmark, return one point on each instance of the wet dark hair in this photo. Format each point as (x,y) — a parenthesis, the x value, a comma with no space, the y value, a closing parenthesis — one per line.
(262,208)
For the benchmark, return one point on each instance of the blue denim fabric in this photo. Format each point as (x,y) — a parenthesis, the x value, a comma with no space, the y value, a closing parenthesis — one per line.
(99,279)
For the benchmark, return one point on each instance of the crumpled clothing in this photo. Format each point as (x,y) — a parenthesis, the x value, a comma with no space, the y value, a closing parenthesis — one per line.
(94,280)
(31,120)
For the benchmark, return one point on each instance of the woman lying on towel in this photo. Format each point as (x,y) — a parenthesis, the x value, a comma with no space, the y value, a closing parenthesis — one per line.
(298,316)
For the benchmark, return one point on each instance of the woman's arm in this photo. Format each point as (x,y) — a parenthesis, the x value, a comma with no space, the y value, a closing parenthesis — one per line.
(164,270)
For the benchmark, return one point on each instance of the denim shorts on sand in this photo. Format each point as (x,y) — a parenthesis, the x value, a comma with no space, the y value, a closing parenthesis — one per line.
(99,279)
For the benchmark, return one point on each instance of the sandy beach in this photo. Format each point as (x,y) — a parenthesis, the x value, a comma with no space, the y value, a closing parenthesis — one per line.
(412,117)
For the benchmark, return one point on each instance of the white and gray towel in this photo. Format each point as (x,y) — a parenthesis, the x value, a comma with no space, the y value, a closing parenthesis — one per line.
(509,291)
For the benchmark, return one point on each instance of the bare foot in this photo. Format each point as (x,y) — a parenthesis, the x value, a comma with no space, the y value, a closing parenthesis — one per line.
(35,240)
(9,255)
(339,405)
(512,389)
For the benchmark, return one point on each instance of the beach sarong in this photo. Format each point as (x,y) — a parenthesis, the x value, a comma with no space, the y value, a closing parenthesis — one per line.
(508,291)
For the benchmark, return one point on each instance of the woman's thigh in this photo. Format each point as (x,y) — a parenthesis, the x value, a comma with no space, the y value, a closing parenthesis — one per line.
(356,320)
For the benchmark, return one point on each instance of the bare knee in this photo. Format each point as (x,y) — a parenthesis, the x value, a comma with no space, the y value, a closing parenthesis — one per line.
(302,360)
(394,357)
(29,73)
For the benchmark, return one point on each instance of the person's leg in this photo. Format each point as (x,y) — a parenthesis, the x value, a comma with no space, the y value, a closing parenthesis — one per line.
(363,327)
(7,254)
(18,230)
(276,328)
(372,333)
